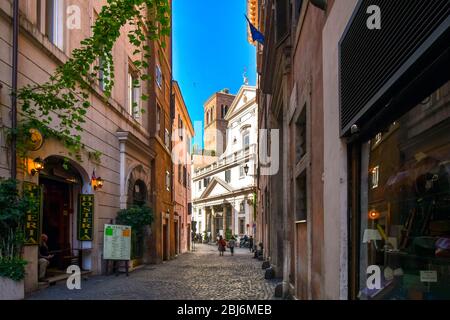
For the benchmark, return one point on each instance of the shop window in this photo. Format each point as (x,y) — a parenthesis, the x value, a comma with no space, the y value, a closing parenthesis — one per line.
(404,218)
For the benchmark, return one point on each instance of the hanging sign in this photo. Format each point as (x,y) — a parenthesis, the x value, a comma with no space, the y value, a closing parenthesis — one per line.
(116,242)
(33,217)
(85,217)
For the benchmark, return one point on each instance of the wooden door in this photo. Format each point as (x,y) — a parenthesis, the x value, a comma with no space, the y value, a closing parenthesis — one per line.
(56,219)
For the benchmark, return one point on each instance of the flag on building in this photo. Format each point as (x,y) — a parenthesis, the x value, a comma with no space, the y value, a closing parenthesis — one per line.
(256,35)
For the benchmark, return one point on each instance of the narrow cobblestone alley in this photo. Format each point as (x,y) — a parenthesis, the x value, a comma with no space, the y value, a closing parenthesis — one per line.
(201,274)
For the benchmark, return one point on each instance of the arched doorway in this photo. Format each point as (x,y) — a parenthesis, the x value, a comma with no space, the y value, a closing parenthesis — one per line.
(137,196)
(61,184)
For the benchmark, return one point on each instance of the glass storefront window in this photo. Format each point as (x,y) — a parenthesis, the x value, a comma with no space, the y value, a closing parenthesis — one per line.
(404,235)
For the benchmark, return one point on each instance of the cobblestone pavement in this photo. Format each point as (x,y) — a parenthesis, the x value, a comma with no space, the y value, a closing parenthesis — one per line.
(202,275)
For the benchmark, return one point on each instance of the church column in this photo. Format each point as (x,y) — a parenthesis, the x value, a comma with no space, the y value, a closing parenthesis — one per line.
(213,224)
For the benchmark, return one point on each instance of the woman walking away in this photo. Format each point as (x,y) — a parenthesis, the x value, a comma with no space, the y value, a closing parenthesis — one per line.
(231,245)
(222,245)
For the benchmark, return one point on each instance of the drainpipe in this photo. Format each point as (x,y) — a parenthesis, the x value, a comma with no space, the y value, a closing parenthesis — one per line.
(172,115)
(15,54)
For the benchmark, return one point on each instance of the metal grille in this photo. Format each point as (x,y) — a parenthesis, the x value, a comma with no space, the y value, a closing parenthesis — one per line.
(370,58)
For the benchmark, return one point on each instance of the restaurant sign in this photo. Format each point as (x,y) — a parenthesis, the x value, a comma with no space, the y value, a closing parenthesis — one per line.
(33,216)
(85,217)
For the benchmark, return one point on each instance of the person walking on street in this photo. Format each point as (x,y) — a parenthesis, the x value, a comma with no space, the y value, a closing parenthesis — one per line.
(222,244)
(231,245)
(250,243)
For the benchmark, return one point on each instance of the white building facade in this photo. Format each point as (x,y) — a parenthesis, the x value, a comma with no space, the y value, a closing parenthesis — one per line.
(224,192)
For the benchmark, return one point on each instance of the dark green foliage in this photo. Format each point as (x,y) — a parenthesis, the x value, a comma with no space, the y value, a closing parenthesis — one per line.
(137,217)
(13,208)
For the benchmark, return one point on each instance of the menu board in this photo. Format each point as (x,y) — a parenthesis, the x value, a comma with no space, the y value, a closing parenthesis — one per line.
(116,242)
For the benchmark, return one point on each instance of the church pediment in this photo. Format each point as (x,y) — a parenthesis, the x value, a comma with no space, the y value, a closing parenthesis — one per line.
(216,187)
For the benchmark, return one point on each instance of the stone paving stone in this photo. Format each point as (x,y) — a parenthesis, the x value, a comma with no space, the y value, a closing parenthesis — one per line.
(198,275)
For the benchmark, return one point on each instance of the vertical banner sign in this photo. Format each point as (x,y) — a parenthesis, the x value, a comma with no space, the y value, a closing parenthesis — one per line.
(33,217)
(85,217)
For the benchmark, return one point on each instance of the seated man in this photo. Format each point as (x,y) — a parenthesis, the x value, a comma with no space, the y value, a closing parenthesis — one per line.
(44,256)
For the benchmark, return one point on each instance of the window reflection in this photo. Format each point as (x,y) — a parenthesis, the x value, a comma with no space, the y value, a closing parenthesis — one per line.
(405,205)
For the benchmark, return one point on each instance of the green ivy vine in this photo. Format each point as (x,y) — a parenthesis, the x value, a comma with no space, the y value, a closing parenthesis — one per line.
(59,106)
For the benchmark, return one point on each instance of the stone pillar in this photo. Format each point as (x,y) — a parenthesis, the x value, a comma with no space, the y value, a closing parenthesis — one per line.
(122,136)
(224,217)
(213,224)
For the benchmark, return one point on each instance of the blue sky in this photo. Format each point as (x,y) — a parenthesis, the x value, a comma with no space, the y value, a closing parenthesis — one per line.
(210,50)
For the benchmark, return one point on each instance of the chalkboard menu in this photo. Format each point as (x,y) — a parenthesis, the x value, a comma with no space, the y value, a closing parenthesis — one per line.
(117,242)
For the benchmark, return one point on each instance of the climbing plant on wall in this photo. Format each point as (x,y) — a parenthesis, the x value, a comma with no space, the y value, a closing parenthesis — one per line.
(59,106)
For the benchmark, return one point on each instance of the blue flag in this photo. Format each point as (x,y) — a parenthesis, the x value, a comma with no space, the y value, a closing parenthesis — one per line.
(256,35)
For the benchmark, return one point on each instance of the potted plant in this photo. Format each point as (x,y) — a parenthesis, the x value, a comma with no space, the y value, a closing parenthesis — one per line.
(13,208)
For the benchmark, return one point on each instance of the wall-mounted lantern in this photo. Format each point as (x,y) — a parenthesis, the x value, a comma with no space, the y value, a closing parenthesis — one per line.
(246,168)
(38,166)
(97,182)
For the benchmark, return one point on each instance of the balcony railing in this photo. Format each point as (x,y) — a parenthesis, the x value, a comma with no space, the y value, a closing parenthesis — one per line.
(228,159)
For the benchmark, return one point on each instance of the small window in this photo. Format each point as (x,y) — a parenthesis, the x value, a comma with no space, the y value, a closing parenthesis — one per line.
(54,24)
(184,176)
(241,172)
(158,120)
(167,138)
(228,176)
(242,207)
(206,182)
(104,73)
(167,180)
(200,185)
(159,77)
(245,140)
(133,95)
